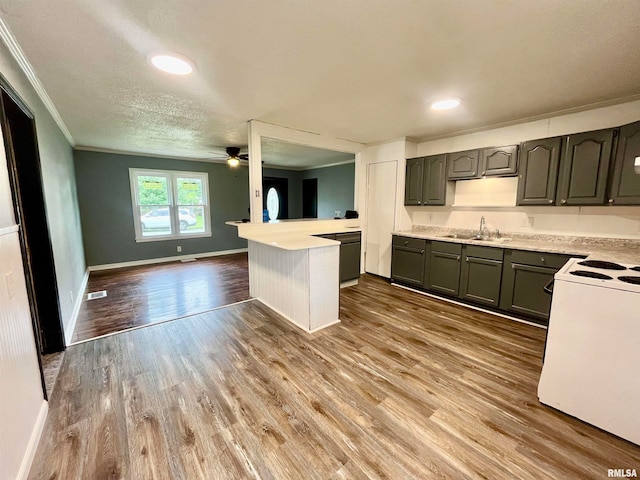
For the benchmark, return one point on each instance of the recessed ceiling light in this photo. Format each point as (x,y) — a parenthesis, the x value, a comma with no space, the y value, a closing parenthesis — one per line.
(445,104)
(171,63)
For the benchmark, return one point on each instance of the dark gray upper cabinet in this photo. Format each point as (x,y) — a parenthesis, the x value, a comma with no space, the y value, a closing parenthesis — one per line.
(584,168)
(407,260)
(625,185)
(463,164)
(499,161)
(413,181)
(434,188)
(481,274)
(444,268)
(539,161)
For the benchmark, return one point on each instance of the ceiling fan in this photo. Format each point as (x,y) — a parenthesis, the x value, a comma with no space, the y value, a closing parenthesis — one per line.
(234,156)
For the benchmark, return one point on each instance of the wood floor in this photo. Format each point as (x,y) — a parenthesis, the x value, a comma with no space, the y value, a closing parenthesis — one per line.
(405,387)
(138,296)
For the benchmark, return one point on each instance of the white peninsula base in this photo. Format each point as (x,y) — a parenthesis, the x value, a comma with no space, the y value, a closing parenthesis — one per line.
(295,273)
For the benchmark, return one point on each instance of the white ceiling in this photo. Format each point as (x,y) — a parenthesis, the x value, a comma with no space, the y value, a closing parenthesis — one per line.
(362,70)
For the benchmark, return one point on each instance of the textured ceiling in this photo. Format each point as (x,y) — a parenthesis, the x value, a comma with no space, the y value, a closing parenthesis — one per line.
(362,70)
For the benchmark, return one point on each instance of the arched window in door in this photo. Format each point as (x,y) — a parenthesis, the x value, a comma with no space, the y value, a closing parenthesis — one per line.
(273,203)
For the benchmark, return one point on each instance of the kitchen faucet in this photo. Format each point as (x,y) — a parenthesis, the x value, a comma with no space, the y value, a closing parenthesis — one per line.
(483,226)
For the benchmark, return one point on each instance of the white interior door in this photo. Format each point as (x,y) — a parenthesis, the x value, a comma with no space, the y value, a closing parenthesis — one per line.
(381,211)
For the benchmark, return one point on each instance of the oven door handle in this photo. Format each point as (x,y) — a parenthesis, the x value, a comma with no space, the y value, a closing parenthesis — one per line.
(548,288)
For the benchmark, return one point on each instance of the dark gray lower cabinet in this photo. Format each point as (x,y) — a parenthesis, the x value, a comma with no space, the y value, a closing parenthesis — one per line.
(481,274)
(408,260)
(524,276)
(350,244)
(444,268)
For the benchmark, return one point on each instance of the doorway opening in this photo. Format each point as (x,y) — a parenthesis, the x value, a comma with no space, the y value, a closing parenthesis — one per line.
(310,198)
(25,178)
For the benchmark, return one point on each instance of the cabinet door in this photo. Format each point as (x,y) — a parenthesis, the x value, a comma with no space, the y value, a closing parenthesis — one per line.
(444,268)
(434,188)
(349,261)
(462,164)
(407,260)
(523,290)
(625,187)
(501,161)
(539,160)
(480,277)
(413,181)
(584,168)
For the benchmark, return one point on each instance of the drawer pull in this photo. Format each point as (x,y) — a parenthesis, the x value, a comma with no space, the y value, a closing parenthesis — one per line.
(467,259)
(421,252)
(542,259)
(406,243)
(563,202)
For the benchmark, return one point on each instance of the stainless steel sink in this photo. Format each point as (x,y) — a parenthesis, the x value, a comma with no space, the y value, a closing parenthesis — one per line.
(480,238)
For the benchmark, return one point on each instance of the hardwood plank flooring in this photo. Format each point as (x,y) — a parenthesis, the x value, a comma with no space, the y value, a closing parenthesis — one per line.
(405,387)
(138,296)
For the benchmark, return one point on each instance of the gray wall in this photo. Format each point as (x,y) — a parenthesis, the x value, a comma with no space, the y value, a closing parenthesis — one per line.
(336,187)
(58,177)
(106,210)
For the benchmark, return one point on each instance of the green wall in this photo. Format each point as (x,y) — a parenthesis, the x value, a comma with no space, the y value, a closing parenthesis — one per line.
(335,188)
(106,210)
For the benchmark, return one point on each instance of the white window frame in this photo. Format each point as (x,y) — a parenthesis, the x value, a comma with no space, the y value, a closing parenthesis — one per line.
(172,184)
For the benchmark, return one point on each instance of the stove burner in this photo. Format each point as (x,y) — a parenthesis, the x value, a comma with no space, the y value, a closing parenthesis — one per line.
(586,273)
(602,264)
(630,279)
(635,269)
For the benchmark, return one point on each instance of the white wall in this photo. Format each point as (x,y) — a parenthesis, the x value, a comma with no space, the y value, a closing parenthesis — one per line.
(22,405)
(602,221)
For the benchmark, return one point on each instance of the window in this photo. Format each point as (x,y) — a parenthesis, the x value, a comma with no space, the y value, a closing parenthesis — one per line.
(169,205)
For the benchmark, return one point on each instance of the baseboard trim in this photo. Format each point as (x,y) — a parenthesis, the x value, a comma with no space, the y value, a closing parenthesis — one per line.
(290,320)
(151,261)
(34,440)
(71,326)
(473,307)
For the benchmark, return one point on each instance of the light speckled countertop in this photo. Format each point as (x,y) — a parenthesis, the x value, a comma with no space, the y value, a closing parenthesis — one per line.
(619,250)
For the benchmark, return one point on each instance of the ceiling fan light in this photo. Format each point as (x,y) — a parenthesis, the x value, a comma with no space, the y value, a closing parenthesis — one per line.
(171,63)
(445,104)
(233,162)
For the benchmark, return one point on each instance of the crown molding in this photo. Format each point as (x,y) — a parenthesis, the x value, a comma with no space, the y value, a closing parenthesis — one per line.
(18,55)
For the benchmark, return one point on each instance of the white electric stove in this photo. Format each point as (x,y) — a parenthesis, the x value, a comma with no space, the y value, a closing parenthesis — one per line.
(592,359)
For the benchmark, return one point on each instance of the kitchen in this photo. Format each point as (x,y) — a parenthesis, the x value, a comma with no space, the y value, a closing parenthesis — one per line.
(405,385)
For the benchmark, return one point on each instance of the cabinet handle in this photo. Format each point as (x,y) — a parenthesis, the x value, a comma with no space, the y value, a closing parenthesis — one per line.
(611,200)
(458,257)
(418,202)
(466,259)
(563,202)
(421,252)
(550,201)
(542,260)
(406,243)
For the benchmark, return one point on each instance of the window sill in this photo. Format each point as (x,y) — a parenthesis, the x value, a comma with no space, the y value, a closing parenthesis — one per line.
(172,237)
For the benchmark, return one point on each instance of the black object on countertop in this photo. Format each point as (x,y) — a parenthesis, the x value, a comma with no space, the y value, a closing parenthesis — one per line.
(351,214)
(601,264)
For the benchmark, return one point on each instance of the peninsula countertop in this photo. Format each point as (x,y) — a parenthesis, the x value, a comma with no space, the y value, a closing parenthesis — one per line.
(621,250)
(294,235)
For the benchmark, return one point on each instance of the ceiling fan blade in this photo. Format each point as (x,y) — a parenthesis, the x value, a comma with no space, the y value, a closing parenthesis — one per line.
(243,156)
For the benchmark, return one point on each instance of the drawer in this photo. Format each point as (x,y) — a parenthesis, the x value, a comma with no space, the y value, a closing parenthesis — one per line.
(419,243)
(329,236)
(488,253)
(446,247)
(351,237)
(540,259)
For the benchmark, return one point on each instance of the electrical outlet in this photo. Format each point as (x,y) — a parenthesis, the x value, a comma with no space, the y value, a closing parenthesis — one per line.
(179,248)
(11,286)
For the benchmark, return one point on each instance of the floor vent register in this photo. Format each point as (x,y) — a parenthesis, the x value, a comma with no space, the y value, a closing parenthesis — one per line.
(94,295)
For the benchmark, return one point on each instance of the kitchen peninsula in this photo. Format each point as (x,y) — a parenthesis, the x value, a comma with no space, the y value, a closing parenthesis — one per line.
(294,272)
